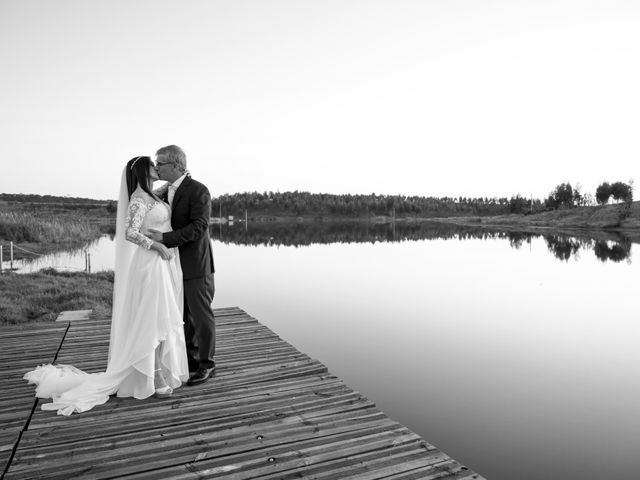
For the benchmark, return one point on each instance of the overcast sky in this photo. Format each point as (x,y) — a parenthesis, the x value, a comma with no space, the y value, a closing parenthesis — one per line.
(430,97)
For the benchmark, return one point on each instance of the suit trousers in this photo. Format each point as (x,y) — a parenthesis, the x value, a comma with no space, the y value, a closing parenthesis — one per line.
(199,323)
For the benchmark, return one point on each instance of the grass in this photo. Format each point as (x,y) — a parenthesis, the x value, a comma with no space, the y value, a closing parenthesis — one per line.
(47,228)
(41,296)
(621,216)
(24,227)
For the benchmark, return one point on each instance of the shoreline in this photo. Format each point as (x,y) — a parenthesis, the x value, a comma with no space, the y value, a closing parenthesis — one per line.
(598,221)
(618,218)
(39,248)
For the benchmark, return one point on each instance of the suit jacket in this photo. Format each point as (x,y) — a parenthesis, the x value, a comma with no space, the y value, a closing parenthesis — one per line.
(190,214)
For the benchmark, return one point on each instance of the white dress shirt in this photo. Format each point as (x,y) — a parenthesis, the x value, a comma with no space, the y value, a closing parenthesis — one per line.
(173,187)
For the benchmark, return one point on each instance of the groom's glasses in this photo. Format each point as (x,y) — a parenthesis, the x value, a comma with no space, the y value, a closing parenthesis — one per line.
(159,164)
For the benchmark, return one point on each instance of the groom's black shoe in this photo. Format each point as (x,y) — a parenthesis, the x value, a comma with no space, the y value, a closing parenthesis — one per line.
(201,376)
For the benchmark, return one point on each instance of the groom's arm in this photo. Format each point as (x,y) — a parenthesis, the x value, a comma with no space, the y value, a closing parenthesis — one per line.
(199,215)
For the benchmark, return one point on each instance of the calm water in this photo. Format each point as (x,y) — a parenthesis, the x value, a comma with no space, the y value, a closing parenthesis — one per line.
(517,355)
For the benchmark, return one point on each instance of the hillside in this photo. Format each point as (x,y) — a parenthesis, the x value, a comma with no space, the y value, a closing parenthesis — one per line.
(619,217)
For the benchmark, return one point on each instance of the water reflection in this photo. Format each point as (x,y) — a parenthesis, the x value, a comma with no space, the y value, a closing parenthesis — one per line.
(616,252)
(96,256)
(609,246)
(612,246)
(300,234)
(490,344)
(564,248)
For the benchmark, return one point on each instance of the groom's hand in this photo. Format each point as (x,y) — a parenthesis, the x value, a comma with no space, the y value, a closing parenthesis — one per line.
(155,235)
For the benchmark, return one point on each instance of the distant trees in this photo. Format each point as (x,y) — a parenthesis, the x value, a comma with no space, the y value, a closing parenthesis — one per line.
(564,196)
(519,204)
(619,191)
(588,200)
(297,203)
(351,206)
(35,198)
(603,193)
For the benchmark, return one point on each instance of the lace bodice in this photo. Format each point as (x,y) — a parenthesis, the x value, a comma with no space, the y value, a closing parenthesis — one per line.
(145,213)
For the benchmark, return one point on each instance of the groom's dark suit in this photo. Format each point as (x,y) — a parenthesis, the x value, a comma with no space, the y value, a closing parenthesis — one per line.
(190,213)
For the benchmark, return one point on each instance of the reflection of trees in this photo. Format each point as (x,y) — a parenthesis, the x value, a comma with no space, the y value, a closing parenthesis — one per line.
(616,253)
(563,247)
(516,239)
(299,234)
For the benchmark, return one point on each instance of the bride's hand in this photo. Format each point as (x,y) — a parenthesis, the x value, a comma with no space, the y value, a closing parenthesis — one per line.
(163,251)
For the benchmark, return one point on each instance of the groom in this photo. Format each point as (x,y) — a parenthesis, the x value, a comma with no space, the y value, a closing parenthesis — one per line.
(190,212)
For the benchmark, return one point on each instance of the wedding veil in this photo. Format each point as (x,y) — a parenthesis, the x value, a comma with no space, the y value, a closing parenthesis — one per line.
(124,255)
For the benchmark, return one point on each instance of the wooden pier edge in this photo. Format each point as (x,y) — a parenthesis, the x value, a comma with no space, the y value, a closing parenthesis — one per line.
(271,412)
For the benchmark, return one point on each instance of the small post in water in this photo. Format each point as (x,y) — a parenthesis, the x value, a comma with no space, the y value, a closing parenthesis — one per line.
(11,256)
(1,260)
(88,262)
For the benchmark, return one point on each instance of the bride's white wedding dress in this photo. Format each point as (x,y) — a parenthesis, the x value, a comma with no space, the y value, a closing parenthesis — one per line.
(147,314)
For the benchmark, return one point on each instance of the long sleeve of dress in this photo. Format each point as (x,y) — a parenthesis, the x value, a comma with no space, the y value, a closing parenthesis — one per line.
(135,216)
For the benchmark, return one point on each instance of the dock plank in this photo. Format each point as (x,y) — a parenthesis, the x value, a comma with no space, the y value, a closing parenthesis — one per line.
(270,412)
(21,351)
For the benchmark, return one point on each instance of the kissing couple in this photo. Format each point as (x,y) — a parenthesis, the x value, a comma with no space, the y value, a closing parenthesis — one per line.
(162,322)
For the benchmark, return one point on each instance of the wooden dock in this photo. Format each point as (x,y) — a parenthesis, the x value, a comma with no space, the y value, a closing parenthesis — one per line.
(271,412)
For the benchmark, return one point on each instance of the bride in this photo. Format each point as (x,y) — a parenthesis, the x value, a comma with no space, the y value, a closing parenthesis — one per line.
(147,351)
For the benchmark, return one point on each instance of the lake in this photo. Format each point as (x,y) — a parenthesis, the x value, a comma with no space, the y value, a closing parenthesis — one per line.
(516,354)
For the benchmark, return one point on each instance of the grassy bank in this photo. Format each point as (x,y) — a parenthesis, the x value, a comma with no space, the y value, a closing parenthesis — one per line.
(41,296)
(621,217)
(49,228)
(24,227)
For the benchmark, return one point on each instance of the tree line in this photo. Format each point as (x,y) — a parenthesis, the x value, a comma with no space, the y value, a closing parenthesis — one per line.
(565,195)
(356,205)
(52,199)
(352,205)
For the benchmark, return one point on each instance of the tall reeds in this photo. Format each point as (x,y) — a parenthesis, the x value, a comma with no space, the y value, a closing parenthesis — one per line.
(26,227)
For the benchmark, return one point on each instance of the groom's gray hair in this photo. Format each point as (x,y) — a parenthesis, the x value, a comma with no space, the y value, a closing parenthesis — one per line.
(175,155)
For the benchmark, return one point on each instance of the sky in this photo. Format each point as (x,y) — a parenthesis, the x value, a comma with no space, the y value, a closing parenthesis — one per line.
(455,98)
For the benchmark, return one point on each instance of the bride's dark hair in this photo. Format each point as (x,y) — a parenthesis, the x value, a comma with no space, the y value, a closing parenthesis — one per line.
(138,174)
